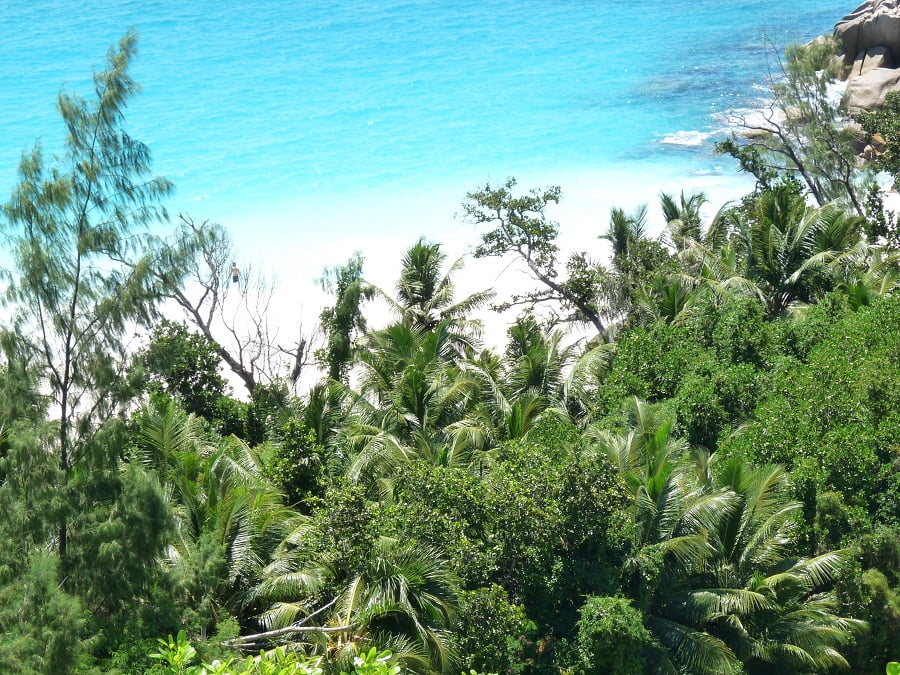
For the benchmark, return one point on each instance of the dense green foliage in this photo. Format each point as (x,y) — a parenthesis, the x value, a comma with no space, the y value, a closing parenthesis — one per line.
(611,636)
(184,365)
(708,485)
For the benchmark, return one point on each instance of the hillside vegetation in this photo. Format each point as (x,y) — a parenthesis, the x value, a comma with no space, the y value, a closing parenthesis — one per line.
(708,483)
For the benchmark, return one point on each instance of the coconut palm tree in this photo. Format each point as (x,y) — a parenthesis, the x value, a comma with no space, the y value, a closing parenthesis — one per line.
(682,218)
(672,518)
(411,390)
(625,228)
(786,252)
(584,380)
(669,509)
(228,517)
(518,389)
(668,298)
(772,610)
(536,358)
(868,272)
(789,245)
(721,271)
(712,545)
(425,296)
(401,596)
(400,366)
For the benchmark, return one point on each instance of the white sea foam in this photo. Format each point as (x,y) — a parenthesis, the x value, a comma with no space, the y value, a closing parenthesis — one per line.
(765,114)
(836,91)
(687,139)
(740,119)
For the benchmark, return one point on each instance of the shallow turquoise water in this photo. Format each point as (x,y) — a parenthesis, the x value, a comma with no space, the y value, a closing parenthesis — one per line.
(254,109)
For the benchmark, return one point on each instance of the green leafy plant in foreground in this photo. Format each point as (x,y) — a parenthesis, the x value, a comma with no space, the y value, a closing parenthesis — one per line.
(178,653)
(374,662)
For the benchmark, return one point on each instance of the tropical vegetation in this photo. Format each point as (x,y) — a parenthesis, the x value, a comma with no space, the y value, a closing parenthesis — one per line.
(703,478)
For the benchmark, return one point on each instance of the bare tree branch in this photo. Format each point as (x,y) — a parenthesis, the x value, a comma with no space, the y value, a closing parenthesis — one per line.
(233,314)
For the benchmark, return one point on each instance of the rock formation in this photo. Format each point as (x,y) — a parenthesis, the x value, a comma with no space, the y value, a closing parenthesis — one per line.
(868,91)
(875,23)
(870,40)
(875,57)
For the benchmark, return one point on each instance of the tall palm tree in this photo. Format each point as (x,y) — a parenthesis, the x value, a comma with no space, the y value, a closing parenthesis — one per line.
(518,389)
(585,378)
(669,510)
(425,296)
(411,390)
(536,358)
(868,272)
(772,610)
(672,518)
(784,253)
(625,228)
(722,271)
(668,298)
(683,217)
(789,245)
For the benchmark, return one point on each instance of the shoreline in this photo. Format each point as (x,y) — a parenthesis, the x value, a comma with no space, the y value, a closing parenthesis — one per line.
(302,234)
(297,245)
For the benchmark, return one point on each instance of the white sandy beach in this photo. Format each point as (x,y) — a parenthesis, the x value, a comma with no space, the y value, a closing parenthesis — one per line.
(298,241)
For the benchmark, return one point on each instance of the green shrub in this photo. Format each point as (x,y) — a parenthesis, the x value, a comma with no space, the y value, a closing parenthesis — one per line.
(612,637)
(491,630)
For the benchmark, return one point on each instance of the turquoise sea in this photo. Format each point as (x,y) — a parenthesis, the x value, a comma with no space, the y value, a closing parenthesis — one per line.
(314,127)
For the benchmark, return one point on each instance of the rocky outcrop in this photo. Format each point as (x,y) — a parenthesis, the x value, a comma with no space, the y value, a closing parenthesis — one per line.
(868,91)
(875,149)
(876,57)
(870,40)
(875,23)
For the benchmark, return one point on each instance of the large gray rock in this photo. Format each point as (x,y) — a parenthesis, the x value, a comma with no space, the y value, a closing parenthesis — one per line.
(875,23)
(868,91)
(876,57)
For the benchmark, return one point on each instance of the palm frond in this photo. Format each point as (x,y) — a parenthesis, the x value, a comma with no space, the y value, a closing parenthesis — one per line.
(696,651)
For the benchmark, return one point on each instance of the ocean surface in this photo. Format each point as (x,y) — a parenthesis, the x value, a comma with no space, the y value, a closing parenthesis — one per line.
(310,129)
